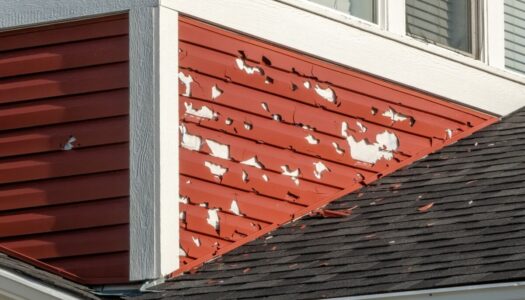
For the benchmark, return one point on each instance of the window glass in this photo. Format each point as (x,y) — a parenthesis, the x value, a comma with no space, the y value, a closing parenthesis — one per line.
(444,22)
(363,9)
(515,35)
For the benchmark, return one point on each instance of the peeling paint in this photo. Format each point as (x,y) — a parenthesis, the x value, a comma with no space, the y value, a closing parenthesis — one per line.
(344,129)
(217,170)
(294,174)
(319,169)
(70,143)
(204,204)
(215,92)
(234,208)
(182,252)
(186,80)
(228,121)
(264,105)
(244,176)
(204,112)
(394,115)
(307,127)
(328,94)
(449,133)
(182,216)
(265,177)
(312,140)
(338,149)
(373,111)
(183,199)
(383,149)
(254,162)
(268,80)
(277,117)
(218,150)
(196,241)
(307,84)
(190,141)
(362,128)
(241,64)
(248,126)
(213,218)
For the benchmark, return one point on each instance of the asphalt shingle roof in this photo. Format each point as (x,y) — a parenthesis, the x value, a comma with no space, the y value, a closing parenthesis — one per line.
(456,217)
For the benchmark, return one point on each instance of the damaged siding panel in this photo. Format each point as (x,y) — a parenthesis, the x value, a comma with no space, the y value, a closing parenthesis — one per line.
(268,135)
(64,134)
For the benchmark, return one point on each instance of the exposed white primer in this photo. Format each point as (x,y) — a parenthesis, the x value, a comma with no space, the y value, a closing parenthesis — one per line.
(244,176)
(183,199)
(196,241)
(241,64)
(307,127)
(312,140)
(218,150)
(307,84)
(182,252)
(204,204)
(203,112)
(264,105)
(394,115)
(319,169)
(338,149)
(383,148)
(228,121)
(234,208)
(362,128)
(190,141)
(213,218)
(292,173)
(254,162)
(276,117)
(216,170)
(69,144)
(187,80)
(215,92)
(265,177)
(344,129)
(248,126)
(328,94)
(449,133)
(182,216)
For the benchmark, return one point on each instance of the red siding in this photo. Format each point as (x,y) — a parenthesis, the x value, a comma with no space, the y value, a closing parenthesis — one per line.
(64,133)
(263,101)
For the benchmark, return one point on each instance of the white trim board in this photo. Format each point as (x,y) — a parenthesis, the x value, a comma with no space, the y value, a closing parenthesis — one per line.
(345,41)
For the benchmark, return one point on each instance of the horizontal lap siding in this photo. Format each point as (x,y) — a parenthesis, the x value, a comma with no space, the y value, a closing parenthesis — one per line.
(64,147)
(270,114)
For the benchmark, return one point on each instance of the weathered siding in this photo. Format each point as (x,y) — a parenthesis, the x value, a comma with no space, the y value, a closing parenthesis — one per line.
(64,147)
(268,134)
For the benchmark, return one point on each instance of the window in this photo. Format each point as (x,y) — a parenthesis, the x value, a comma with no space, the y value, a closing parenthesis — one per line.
(363,9)
(449,23)
(515,35)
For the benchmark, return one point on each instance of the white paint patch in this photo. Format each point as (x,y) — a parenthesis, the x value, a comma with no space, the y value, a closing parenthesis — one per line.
(294,174)
(449,133)
(264,105)
(394,115)
(69,144)
(308,127)
(213,218)
(248,126)
(265,177)
(234,208)
(319,169)
(182,252)
(254,162)
(196,241)
(383,149)
(204,204)
(215,92)
(373,111)
(241,64)
(186,80)
(182,216)
(244,176)
(312,140)
(307,84)
(218,150)
(217,170)
(276,117)
(183,199)
(362,128)
(344,129)
(328,94)
(338,149)
(228,121)
(190,141)
(204,112)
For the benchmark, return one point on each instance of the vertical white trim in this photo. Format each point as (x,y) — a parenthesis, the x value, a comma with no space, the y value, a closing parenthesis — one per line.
(169,139)
(494,29)
(144,158)
(395,12)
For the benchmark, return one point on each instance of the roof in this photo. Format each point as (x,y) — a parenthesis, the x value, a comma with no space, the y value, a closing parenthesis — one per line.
(43,277)
(454,218)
